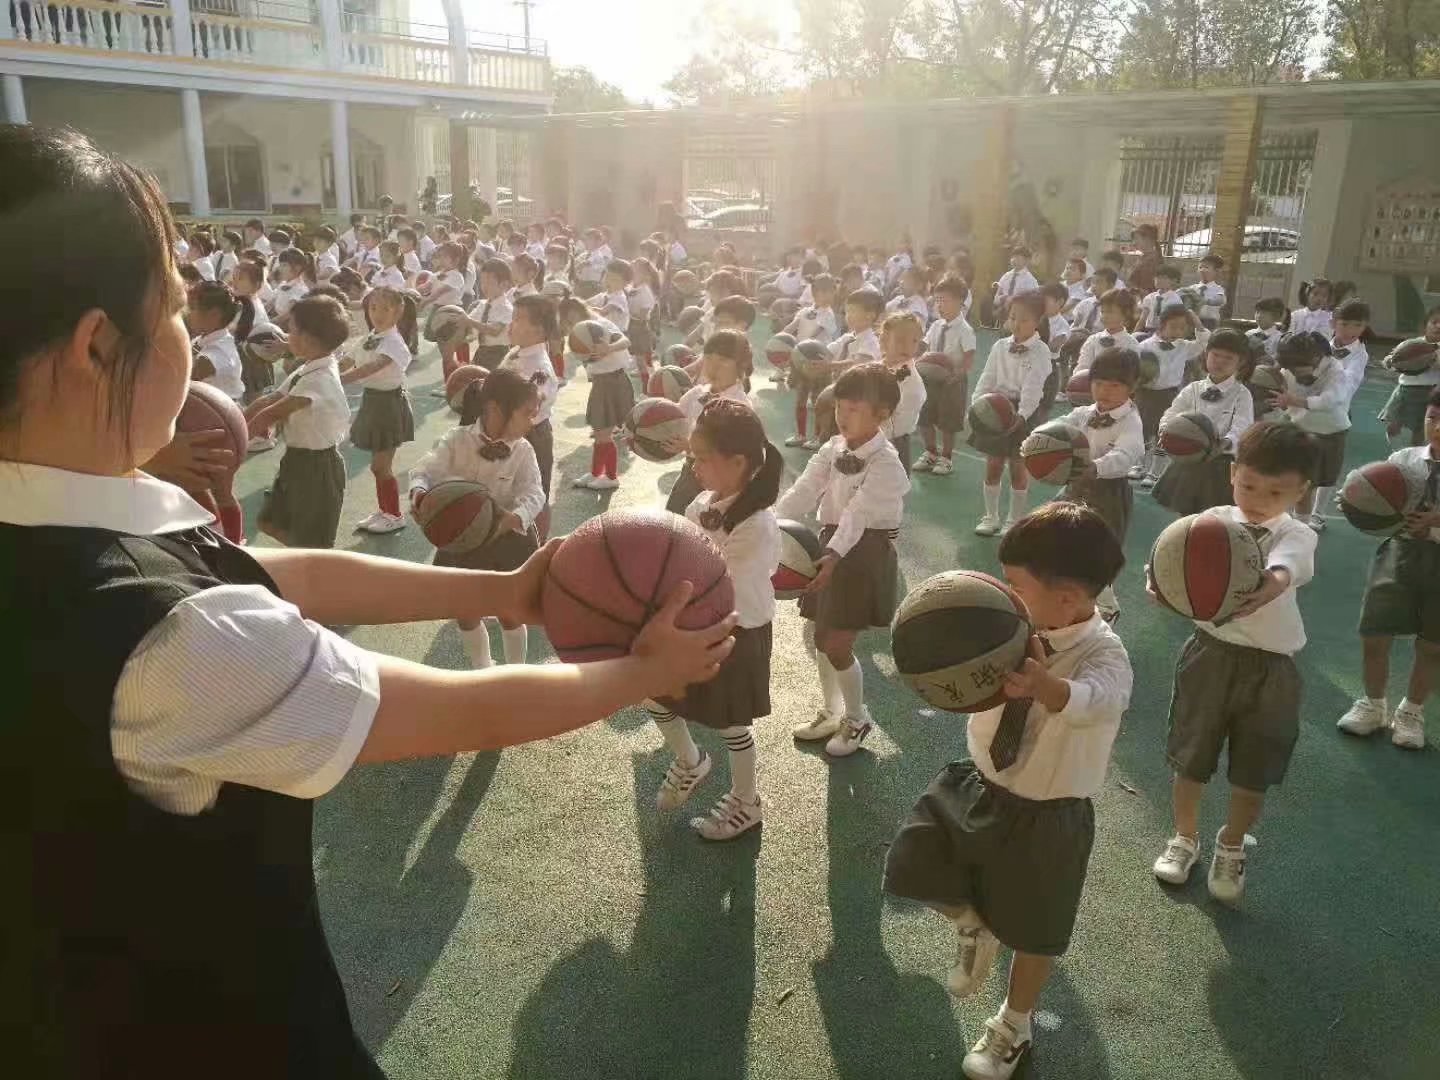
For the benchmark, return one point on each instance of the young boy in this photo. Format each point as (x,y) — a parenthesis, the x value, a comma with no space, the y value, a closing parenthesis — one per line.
(1117,441)
(1317,399)
(491,317)
(1189,487)
(533,323)
(616,305)
(1018,279)
(1406,408)
(1000,841)
(1168,354)
(816,323)
(1153,307)
(1076,281)
(1056,296)
(900,336)
(856,487)
(1080,249)
(1116,309)
(1237,682)
(911,296)
(1115,262)
(1209,293)
(1265,335)
(947,397)
(1352,319)
(859,344)
(1402,599)
(409,256)
(1085,315)
(791,281)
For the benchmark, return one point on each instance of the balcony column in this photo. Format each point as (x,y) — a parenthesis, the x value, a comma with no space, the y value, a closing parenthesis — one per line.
(332,34)
(14,100)
(459,51)
(195,152)
(180,28)
(340,156)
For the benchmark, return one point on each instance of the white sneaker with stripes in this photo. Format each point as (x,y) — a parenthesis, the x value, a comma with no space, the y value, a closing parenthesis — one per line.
(728,818)
(680,783)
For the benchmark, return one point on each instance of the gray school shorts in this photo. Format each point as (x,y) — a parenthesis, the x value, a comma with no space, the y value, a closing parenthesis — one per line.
(1234,694)
(1402,598)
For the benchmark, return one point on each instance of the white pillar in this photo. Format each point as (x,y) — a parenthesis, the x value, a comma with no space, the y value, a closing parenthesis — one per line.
(332,34)
(180,28)
(14,100)
(195,152)
(340,155)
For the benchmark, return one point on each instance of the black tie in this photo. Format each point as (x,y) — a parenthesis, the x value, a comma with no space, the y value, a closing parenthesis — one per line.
(1101,420)
(495,450)
(1259,532)
(1106,341)
(371,342)
(944,329)
(902,374)
(1017,348)
(1213,394)
(485,312)
(1005,743)
(1341,353)
(849,464)
(712,519)
(1432,486)
(1166,345)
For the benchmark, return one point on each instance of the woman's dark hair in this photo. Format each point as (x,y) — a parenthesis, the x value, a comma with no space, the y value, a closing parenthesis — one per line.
(1301,350)
(323,318)
(1064,542)
(733,429)
(733,346)
(508,389)
(215,296)
(541,312)
(302,262)
(871,382)
(499,269)
(96,234)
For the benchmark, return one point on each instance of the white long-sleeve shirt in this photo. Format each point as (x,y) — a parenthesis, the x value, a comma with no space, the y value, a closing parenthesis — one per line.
(1232,414)
(1276,627)
(513,482)
(1065,754)
(1114,448)
(1354,358)
(752,552)
(533,361)
(1098,342)
(1174,360)
(1327,399)
(814,324)
(873,498)
(906,417)
(1154,304)
(1018,375)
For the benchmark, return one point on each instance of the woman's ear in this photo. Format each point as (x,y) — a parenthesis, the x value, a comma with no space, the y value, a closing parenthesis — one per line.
(87,351)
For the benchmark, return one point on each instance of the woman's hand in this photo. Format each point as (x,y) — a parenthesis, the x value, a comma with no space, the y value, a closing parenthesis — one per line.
(193,460)
(681,657)
(520,600)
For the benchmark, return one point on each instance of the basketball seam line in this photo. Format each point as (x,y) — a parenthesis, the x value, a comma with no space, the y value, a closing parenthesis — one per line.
(615,566)
(650,607)
(593,609)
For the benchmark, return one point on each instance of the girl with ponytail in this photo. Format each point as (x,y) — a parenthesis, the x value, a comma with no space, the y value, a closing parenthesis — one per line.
(738,470)
(294,275)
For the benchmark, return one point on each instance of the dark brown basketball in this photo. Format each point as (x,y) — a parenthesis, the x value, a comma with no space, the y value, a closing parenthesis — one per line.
(208,407)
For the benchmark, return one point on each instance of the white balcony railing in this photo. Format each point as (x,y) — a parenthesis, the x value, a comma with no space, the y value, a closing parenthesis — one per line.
(278,34)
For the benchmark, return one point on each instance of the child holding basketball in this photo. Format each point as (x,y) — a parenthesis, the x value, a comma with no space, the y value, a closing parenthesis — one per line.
(900,336)
(1168,354)
(817,322)
(605,352)
(210,309)
(738,473)
(1000,842)
(1407,406)
(1188,487)
(1117,309)
(726,364)
(1402,599)
(490,317)
(1112,427)
(1317,399)
(1265,336)
(856,486)
(492,451)
(858,344)
(385,421)
(946,396)
(1018,367)
(533,324)
(1236,681)
(302,507)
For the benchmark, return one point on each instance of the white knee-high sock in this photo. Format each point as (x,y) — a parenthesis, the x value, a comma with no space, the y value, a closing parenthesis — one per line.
(992,499)
(477,645)
(741,742)
(514,643)
(1320,500)
(829,685)
(1159,462)
(852,689)
(1019,498)
(807,636)
(675,732)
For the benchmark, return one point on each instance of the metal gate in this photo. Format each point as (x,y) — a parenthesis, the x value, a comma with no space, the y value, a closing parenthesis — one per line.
(730,180)
(1170,182)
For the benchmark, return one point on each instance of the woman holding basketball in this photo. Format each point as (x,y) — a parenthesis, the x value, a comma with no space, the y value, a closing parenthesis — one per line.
(726,363)
(157,797)
(385,421)
(490,448)
(738,472)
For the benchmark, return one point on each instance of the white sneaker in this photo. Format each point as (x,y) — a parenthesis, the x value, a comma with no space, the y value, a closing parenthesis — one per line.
(1009,524)
(260,443)
(1365,717)
(975,948)
(603,483)
(1407,728)
(1137,472)
(848,739)
(583,481)
(998,1053)
(1148,481)
(680,783)
(728,818)
(439,391)
(988,525)
(1227,870)
(812,443)
(925,462)
(795,440)
(1316,522)
(388,523)
(1176,861)
(943,467)
(366,524)
(823,726)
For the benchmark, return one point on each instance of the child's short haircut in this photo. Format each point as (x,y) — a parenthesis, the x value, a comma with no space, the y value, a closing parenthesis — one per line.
(722,281)
(1064,542)
(1116,364)
(1115,257)
(1032,303)
(1173,311)
(1020,250)
(734,346)
(1278,447)
(899,320)
(1353,311)
(823,283)
(871,382)
(406,233)
(851,270)
(621,269)
(1123,299)
(1271,305)
(1105,275)
(737,309)
(868,299)
(1213,260)
(541,312)
(498,269)
(953,287)
(322,318)
(1055,291)
(524,267)
(1302,350)
(1229,340)
(1169,271)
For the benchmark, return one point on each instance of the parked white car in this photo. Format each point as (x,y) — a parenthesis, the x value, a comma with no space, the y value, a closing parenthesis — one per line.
(1262,243)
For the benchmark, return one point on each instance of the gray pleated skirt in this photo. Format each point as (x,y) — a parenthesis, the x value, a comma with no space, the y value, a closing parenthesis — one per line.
(740,693)
(1111,498)
(863,590)
(612,396)
(1190,487)
(508,551)
(384,421)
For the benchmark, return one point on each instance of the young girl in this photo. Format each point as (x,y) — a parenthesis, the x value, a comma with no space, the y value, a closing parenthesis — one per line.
(302,507)
(1316,399)
(605,352)
(643,324)
(326,252)
(390,275)
(739,476)
(1404,410)
(856,486)
(384,422)
(726,363)
(213,705)
(616,306)
(946,396)
(1314,312)
(900,336)
(490,449)
(201,255)
(210,309)
(1017,367)
(228,257)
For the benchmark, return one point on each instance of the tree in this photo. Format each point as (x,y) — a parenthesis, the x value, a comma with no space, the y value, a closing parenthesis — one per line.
(737,59)
(579,90)
(1197,43)
(1383,39)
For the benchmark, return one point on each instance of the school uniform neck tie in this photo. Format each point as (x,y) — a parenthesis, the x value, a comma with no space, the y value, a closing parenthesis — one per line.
(485,312)
(495,450)
(371,341)
(1101,420)
(1107,341)
(848,464)
(901,374)
(712,520)
(1010,732)
(1432,486)
(944,332)
(1166,345)
(1017,348)
(1212,394)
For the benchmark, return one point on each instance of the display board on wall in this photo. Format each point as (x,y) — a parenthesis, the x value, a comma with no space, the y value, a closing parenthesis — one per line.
(1403,233)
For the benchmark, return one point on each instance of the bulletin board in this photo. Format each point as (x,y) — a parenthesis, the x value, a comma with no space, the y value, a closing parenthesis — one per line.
(1402,234)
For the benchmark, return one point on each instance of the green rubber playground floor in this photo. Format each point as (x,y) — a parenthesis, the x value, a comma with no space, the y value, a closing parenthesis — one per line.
(530,915)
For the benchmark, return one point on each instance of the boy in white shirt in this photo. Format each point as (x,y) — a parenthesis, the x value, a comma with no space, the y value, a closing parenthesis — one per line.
(1115,262)
(1018,279)
(1153,307)
(1056,297)
(1265,335)
(816,323)
(1167,359)
(911,297)
(1080,249)
(349,239)
(1190,487)
(491,315)
(947,390)
(1115,308)
(409,256)
(533,323)
(858,344)
(1237,681)
(1000,842)
(615,305)
(1076,279)
(1209,293)
(1317,399)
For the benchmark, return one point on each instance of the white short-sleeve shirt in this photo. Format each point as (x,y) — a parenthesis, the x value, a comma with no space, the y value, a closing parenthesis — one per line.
(326,421)
(390,344)
(219,348)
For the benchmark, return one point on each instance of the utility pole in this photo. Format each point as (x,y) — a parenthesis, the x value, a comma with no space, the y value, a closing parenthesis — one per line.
(525,6)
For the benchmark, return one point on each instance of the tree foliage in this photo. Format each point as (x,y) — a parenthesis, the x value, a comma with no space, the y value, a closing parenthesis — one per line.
(736,59)
(1383,39)
(579,90)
